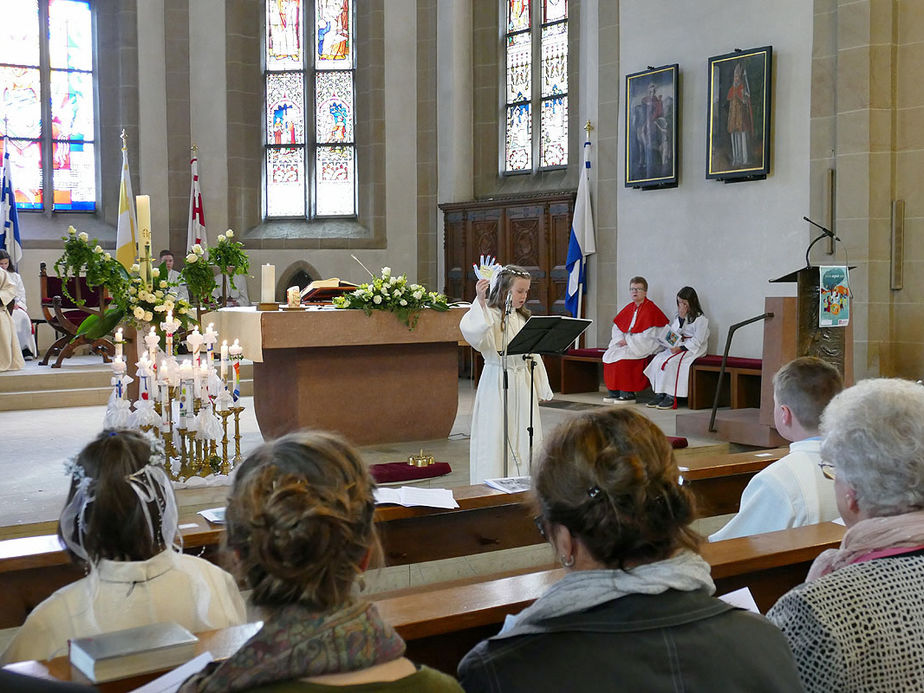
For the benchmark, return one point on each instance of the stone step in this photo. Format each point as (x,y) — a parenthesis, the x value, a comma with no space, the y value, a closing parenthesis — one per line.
(71,397)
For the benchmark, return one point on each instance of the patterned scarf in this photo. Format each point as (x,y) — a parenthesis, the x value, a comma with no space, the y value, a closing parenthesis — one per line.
(868,536)
(296,643)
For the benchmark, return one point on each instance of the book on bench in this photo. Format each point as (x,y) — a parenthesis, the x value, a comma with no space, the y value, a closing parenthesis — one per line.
(133,651)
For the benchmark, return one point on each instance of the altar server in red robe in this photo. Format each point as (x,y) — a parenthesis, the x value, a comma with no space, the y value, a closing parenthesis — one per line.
(635,337)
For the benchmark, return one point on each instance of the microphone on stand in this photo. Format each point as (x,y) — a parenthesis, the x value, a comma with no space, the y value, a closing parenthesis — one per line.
(509,307)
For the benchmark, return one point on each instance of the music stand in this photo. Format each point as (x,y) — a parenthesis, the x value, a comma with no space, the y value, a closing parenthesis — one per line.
(542,334)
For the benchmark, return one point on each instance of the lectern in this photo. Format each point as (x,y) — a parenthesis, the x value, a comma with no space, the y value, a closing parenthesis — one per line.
(793,331)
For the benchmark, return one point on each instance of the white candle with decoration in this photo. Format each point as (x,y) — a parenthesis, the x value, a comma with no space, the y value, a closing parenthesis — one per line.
(118,367)
(293,297)
(143,213)
(169,326)
(224,359)
(209,338)
(119,341)
(165,412)
(144,375)
(186,394)
(236,351)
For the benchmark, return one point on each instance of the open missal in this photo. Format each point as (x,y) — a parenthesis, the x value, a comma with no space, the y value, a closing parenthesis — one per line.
(133,651)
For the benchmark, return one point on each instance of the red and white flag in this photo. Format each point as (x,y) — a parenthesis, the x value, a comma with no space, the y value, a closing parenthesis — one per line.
(196,231)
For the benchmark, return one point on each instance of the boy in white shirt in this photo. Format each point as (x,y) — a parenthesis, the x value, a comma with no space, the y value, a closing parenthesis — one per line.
(792,492)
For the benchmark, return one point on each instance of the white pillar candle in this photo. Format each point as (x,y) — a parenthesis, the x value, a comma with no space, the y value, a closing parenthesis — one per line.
(152,341)
(293,297)
(236,351)
(119,341)
(268,284)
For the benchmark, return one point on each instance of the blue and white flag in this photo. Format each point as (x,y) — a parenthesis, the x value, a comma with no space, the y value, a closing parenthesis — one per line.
(581,242)
(10,239)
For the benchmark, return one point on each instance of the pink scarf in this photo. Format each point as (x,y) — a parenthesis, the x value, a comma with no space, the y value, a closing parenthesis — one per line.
(868,536)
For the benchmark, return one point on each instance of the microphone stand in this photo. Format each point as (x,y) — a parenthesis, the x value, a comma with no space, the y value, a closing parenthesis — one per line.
(529,429)
(505,331)
(825,233)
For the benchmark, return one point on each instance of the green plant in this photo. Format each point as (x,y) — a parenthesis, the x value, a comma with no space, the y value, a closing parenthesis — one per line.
(393,294)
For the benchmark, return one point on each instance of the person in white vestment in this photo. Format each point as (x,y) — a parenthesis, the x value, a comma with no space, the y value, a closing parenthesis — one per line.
(487,327)
(10,351)
(120,522)
(21,319)
(237,290)
(669,370)
(793,491)
(173,276)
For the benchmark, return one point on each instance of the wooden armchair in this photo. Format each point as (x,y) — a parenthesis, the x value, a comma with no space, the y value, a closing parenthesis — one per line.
(65,316)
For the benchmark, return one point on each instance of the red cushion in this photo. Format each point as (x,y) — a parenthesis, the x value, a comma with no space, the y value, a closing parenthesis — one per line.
(391,472)
(732,362)
(597,353)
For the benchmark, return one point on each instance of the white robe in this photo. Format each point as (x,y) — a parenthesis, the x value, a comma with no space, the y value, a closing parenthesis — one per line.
(125,594)
(663,373)
(21,318)
(637,345)
(10,351)
(791,492)
(481,328)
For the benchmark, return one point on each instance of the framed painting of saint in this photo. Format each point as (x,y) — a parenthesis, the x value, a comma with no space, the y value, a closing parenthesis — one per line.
(652,103)
(738,115)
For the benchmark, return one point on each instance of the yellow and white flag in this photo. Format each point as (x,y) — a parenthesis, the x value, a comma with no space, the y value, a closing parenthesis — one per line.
(127,229)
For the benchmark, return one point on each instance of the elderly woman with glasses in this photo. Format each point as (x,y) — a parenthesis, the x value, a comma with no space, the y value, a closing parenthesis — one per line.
(634,609)
(857,624)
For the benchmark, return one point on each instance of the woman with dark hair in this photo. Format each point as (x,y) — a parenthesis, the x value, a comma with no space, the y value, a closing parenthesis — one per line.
(684,342)
(496,316)
(20,313)
(300,534)
(120,524)
(633,610)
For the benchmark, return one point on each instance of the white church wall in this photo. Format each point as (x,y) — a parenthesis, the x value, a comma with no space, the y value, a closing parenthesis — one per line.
(725,240)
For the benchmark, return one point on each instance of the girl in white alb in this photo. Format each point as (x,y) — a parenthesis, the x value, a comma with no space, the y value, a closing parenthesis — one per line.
(669,370)
(487,329)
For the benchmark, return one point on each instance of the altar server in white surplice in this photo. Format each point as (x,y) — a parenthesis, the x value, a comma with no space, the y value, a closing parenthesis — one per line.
(669,370)
(21,320)
(484,328)
(10,351)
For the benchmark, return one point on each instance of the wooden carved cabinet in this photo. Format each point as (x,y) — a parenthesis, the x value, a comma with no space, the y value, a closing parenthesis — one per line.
(528,230)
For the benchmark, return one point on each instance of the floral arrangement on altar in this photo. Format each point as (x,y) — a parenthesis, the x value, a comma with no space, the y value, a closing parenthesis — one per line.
(393,294)
(135,299)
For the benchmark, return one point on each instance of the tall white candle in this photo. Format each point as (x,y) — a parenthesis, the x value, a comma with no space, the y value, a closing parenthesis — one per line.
(224,359)
(236,351)
(268,284)
(119,341)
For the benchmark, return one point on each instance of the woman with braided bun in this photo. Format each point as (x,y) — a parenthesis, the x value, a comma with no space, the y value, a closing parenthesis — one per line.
(300,533)
(634,609)
(120,525)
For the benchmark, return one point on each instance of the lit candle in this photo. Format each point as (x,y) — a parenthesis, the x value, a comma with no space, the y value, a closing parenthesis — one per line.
(119,341)
(268,284)
(224,359)
(210,337)
(118,367)
(194,342)
(236,351)
(152,340)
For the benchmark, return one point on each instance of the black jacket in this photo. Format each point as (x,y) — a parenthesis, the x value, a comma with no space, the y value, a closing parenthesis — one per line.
(675,641)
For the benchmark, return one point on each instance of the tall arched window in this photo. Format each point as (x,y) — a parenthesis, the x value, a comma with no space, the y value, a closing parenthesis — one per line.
(535,100)
(309,77)
(47,101)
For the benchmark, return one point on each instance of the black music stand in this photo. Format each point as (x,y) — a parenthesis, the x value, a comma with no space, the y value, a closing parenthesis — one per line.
(542,334)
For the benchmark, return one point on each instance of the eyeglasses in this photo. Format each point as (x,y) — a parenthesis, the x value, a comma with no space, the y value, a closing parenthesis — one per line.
(827,469)
(540,525)
(636,289)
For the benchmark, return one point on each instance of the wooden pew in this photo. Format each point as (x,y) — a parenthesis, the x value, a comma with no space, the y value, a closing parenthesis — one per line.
(31,568)
(441,623)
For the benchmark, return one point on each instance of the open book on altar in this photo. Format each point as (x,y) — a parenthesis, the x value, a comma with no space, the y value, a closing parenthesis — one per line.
(325,289)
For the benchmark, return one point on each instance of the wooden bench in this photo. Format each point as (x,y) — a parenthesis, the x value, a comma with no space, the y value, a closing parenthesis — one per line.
(740,390)
(31,568)
(577,370)
(440,623)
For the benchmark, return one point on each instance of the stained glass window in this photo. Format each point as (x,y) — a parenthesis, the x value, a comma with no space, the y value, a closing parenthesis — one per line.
(51,141)
(310,121)
(536,95)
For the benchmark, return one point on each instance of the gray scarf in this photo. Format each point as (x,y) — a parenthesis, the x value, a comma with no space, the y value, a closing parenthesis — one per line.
(584,589)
